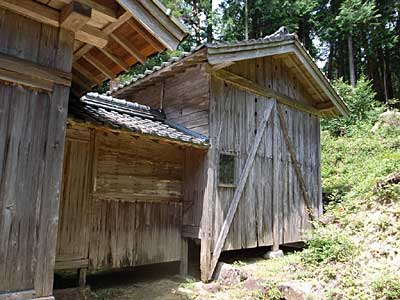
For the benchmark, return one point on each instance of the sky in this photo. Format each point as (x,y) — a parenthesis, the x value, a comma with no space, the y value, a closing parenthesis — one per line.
(215,3)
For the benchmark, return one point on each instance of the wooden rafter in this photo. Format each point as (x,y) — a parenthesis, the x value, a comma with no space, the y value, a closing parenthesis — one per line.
(99,65)
(83,71)
(146,35)
(119,61)
(248,85)
(92,36)
(107,13)
(107,30)
(129,47)
(151,23)
(240,188)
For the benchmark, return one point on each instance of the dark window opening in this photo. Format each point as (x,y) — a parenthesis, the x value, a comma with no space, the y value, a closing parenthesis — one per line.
(226,169)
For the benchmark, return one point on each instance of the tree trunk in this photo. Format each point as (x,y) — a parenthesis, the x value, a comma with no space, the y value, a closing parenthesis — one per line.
(246,20)
(351,61)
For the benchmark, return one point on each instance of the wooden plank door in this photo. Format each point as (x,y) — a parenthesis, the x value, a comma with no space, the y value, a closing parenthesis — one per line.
(73,229)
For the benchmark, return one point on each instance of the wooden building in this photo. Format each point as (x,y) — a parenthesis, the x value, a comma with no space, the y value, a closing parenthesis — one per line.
(50,49)
(259,103)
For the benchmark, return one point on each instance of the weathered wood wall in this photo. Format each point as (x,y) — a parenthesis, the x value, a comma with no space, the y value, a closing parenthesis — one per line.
(132,211)
(32,130)
(235,117)
(185,98)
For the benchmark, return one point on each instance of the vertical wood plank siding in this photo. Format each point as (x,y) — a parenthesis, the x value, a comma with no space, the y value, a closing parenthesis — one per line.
(236,118)
(186,98)
(32,132)
(131,214)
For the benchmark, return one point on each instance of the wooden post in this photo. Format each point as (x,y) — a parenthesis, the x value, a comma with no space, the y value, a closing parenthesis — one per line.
(275,187)
(82,277)
(183,267)
(32,135)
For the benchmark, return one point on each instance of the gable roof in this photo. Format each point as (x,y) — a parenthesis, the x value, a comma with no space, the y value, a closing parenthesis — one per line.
(117,114)
(281,43)
(110,36)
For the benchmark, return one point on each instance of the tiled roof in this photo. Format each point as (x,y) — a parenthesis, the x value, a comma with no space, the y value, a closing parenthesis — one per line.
(281,35)
(120,114)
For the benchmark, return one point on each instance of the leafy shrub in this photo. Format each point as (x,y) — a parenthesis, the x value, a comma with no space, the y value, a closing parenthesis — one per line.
(273,293)
(328,245)
(362,105)
(387,288)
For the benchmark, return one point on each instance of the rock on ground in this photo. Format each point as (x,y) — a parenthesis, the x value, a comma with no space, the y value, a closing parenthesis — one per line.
(229,275)
(296,290)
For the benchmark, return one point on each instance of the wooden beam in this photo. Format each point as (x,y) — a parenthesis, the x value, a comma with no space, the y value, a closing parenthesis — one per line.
(325,106)
(23,66)
(107,30)
(99,65)
(33,10)
(92,36)
(74,16)
(295,163)
(129,47)
(152,25)
(89,76)
(106,12)
(82,84)
(72,264)
(248,85)
(119,61)
(26,80)
(240,188)
(146,35)
(24,295)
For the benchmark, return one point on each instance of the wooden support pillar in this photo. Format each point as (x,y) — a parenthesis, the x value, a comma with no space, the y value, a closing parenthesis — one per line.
(32,135)
(183,267)
(82,277)
(276,165)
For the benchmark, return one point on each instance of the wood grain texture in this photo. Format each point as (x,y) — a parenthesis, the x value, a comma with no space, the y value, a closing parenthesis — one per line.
(272,209)
(31,150)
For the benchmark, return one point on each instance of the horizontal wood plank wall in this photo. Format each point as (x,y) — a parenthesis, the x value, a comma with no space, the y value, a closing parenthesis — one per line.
(236,116)
(186,98)
(137,202)
(32,132)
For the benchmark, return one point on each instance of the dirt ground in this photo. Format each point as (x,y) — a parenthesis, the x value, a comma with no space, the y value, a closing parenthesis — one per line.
(162,282)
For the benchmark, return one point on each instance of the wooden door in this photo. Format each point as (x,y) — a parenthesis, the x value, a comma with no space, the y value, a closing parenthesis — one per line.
(73,230)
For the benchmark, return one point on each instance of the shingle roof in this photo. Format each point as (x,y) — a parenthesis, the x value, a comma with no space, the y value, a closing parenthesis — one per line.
(121,114)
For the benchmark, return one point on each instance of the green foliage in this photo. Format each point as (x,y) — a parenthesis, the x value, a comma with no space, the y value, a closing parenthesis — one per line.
(354,13)
(328,245)
(363,106)
(387,287)
(272,291)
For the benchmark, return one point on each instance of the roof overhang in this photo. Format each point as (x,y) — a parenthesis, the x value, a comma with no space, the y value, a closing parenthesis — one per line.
(282,45)
(223,54)
(110,35)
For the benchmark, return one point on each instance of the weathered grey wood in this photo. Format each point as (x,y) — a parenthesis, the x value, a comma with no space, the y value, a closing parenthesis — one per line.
(253,87)
(296,164)
(82,277)
(183,266)
(239,190)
